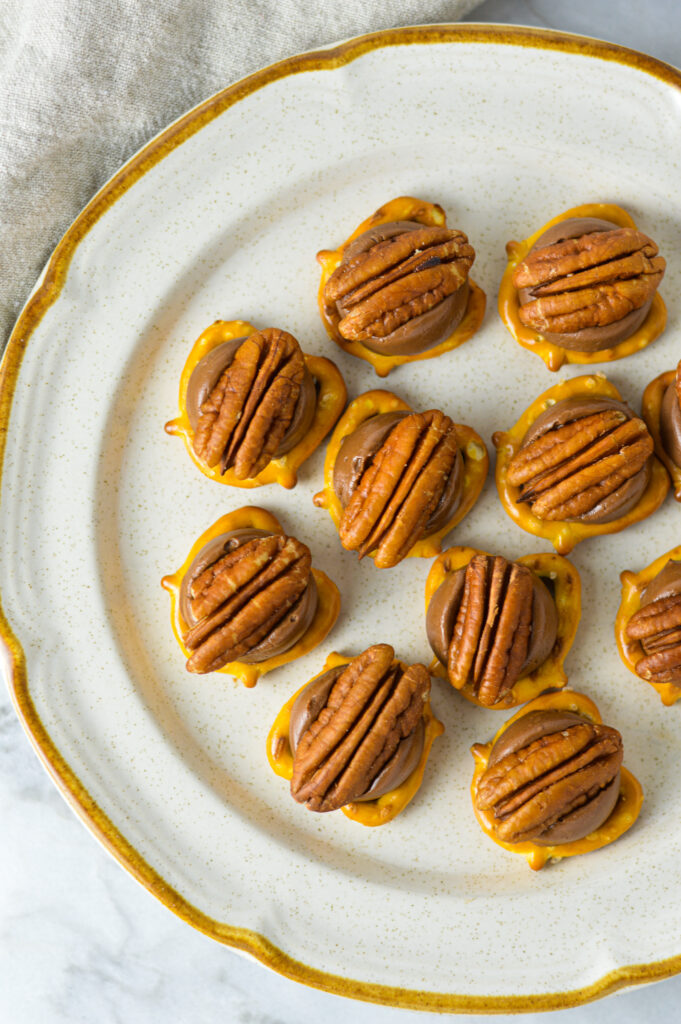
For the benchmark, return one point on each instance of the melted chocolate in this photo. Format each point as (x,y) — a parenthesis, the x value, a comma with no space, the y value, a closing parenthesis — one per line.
(444,607)
(287,631)
(306,709)
(421,332)
(670,424)
(619,502)
(667,583)
(585,819)
(208,371)
(357,451)
(589,339)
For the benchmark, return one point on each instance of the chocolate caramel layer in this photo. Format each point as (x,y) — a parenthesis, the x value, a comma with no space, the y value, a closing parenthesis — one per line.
(444,608)
(585,819)
(208,371)
(310,703)
(357,451)
(424,331)
(670,424)
(619,502)
(590,339)
(667,583)
(287,631)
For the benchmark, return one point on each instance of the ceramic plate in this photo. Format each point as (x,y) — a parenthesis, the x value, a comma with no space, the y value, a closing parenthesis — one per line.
(221,217)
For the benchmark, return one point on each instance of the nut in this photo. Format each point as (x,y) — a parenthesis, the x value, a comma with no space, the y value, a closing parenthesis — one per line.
(493,638)
(585,468)
(400,488)
(247,413)
(657,627)
(240,598)
(551,777)
(373,706)
(398,279)
(590,281)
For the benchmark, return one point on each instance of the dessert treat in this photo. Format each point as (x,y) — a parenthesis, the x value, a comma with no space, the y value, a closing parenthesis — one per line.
(396,481)
(578,463)
(551,783)
(253,406)
(501,630)
(398,289)
(648,624)
(662,412)
(247,600)
(357,736)
(583,289)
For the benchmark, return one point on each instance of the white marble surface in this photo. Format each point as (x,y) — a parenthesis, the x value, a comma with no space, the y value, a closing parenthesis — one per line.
(81,941)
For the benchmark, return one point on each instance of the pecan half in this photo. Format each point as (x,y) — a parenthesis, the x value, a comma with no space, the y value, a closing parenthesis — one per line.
(239,600)
(555,781)
(398,279)
(589,281)
(373,706)
(590,465)
(491,638)
(400,488)
(657,626)
(246,415)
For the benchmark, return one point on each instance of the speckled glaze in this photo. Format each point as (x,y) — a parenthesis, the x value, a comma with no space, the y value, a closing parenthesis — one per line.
(170,770)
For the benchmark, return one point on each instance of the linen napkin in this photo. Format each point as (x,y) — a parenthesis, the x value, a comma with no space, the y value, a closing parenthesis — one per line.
(85,83)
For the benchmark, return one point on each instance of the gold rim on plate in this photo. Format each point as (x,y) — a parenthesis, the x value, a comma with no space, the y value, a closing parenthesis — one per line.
(14,662)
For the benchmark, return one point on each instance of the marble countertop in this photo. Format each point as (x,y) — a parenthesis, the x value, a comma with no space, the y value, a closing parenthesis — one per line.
(81,941)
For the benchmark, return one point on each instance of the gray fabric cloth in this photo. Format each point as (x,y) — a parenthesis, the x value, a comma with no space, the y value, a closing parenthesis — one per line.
(85,83)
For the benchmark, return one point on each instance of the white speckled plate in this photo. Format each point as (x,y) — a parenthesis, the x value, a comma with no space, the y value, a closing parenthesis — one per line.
(221,217)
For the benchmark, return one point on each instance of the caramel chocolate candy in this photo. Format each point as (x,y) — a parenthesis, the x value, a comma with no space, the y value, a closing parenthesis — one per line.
(583,459)
(661,409)
(401,287)
(306,710)
(246,599)
(670,419)
(552,777)
(551,784)
(578,463)
(501,630)
(357,737)
(396,481)
(250,400)
(587,284)
(248,596)
(648,624)
(656,625)
(399,477)
(491,623)
(357,731)
(253,406)
(583,288)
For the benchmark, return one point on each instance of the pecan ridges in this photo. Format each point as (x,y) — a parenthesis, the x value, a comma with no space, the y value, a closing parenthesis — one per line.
(400,489)
(657,627)
(398,279)
(566,472)
(245,417)
(590,281)
(239,599)
(531,789)
(491,636)
(374,704)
